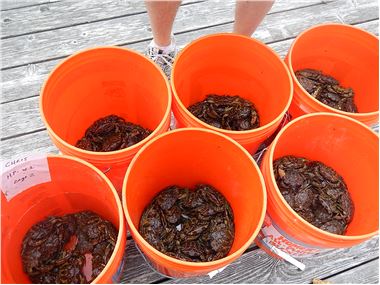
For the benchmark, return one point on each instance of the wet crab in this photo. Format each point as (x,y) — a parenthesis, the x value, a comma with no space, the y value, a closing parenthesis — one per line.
(227,112)
(192,225)
(315,191)
(111,133)
(54,250)
(327,90)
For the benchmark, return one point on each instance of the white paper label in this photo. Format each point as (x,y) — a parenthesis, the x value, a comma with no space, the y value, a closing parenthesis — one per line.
(23,172)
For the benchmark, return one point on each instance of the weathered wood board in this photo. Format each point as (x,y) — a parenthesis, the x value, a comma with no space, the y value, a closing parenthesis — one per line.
(258,267)
(13,117)
(37,34)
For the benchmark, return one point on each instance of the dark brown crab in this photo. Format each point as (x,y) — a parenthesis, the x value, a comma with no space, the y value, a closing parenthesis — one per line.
(226,112)
(54,250)
(112,133)
(189,225)
(327,90)
(315,191)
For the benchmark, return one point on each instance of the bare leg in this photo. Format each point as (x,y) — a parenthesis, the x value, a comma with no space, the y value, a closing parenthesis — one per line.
(249,14)
(162,15)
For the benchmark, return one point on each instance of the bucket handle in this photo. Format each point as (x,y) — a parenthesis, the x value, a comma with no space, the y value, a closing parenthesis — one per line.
(284,255)
(147,261)
(289,258)
(107,170)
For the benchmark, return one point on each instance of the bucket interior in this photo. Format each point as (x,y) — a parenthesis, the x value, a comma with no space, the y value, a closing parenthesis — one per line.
(349,55)
(190,157)
(233,65)
(100,82)
(74,187)
(351,150)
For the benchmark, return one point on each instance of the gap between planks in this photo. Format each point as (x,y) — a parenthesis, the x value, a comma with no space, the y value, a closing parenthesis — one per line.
(351,268)
(278,44)
(32,73)
(92,21)
(26,6)
(183,29)
(24,58)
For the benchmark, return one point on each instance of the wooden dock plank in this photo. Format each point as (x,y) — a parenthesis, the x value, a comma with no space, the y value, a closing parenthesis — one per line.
(23,77)
(282,47)
(18,4)
(371,26)
(258,267)
(121,31)
(29,143)
(136,270)
(49,16)
(20,117)
(25,81)
(367,273)
(356,14)
(23,116)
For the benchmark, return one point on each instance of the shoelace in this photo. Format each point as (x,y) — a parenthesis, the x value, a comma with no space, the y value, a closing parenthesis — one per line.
(165,57)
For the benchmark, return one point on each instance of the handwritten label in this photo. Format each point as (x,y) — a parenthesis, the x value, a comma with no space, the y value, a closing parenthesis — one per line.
(21,173)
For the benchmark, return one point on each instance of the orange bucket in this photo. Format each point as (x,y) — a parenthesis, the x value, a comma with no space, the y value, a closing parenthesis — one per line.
(98,82)
(230,64)
(75,186)
(347,53)
(187,157)
(346,145)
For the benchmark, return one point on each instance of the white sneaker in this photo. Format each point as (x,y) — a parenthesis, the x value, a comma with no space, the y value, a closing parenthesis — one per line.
(163,57)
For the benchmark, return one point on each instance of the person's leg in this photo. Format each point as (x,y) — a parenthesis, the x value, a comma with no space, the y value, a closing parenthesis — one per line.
(249,14)
(161,16)
(162,49)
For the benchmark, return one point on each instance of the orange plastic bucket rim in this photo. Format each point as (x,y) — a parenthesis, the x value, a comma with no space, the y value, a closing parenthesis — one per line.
(108,154)
(220,130)
(135,232)
(315,101)
(306,225)
(119,207)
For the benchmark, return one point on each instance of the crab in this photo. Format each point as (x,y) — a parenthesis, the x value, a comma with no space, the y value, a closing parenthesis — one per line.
(111,133)
(226,112)
(327,90)
(315,191)
(194,225)
(54,250)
